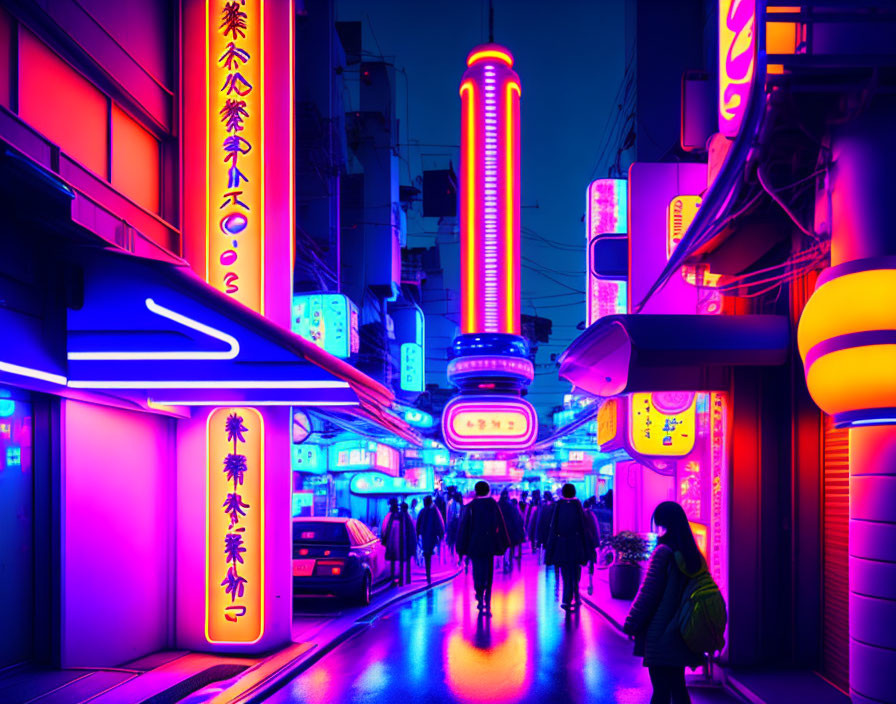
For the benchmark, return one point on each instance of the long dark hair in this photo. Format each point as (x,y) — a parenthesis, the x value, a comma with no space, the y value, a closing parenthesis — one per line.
(678,536)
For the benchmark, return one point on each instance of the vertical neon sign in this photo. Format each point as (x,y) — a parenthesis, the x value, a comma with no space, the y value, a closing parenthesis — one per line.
(235,149)
(234,561)
(490,192)
(606,212)
(737,61)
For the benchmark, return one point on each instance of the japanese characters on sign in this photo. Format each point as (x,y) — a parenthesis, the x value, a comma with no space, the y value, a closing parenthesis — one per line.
(235,521)
(662,424)
(737,61)
(718,488)
(235,159)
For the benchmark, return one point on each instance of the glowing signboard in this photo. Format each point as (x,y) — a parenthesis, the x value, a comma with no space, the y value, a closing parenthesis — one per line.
(490,193)
(234,560)
(737,61)
(352,455)
(308,458)
(302,503)
(418,418)
(412,367)
(483,365)
(489,422)
(415,481)
(606,208)
(235,150)
(681,212)
(663,424)
(329,320)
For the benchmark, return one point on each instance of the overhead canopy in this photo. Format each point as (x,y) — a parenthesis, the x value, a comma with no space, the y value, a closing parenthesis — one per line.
(623,354)
(150,326)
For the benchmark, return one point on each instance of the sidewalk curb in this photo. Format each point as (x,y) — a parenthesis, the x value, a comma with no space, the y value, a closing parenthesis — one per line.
(613,622)
(279,677)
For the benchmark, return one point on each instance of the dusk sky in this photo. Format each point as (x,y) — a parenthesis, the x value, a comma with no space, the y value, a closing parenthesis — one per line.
(570,61)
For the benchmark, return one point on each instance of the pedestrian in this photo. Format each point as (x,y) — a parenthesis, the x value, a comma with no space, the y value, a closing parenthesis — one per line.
(430,530)
(521,529)
(441,504)
(532,519)
(569,544)
(594,528)
(675,561)
(482,536)
(415,508)
(545,513)
(512,521)
(455,502)
(400,539)
(386,534)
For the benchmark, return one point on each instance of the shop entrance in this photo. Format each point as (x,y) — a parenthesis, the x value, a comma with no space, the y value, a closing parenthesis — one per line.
(16,526)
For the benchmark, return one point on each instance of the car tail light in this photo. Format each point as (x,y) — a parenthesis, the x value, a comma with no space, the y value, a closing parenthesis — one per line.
(329,568)
(303,551)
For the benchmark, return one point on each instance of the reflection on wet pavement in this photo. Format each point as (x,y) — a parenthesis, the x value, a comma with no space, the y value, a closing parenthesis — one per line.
(436,649)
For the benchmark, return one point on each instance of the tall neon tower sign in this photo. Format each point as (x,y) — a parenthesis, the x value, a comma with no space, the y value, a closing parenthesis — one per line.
(490,364)
(490,192)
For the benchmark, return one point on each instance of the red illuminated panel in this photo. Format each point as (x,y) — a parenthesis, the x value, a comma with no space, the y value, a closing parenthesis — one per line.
(135,160)
(234,562)
(489,422)
(61,105)
(5,54)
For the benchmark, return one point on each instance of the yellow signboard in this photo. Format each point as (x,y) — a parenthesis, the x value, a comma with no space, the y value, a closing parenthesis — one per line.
(234,561)
(606,422)
(663,424)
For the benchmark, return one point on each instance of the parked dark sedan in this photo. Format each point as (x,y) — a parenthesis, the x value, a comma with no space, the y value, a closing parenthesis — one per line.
(335,556)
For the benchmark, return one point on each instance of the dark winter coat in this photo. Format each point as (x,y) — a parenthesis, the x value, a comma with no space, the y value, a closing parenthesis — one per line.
(513,519)
(570,539)
(482,532)
(392,535)
(545,514)
(440,504)
(452,521)
(532,521)
(651,619)
(430,528)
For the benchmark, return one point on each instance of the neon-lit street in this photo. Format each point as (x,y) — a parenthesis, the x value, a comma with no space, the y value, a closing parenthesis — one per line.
(436,649)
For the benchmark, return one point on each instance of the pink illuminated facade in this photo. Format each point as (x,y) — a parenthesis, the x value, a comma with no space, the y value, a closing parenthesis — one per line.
(606,213)
(490,192)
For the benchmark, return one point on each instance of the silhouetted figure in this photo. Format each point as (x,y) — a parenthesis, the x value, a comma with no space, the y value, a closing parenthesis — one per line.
(545,514)
(388,520)
(569,544)
(482,536)
(400,540)
(532,519)
(521,524)
(591,519)
(514,523)
(430,530)
(441,504)
(455,503)
(674,562)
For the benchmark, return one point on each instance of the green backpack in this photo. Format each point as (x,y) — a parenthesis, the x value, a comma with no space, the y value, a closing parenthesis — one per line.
(702,616)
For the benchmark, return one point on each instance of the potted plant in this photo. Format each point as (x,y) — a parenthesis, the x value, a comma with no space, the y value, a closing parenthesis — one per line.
(629,551)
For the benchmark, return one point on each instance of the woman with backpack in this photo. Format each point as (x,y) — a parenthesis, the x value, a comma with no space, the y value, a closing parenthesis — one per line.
(654,615)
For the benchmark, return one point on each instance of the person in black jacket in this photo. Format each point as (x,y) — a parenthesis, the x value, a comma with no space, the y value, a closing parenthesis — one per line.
(545,514)
(481,536)
(514,523)
(569,544)
(674,563)
(430,530)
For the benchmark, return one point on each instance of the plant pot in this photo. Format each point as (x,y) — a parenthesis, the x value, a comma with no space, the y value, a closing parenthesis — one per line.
(625,578)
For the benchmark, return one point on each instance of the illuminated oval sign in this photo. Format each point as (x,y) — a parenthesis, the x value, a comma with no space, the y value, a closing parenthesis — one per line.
(489,423)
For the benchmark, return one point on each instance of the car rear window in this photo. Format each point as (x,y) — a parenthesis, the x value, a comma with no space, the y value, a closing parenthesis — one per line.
(319,532)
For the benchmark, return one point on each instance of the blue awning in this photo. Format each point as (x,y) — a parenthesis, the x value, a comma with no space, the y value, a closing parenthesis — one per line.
(623,354)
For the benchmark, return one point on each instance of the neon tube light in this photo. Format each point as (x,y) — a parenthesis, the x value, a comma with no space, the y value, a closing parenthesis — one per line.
(303,402)
(490,193)
(10,368)
(154,307)
(484,54)
(188,384)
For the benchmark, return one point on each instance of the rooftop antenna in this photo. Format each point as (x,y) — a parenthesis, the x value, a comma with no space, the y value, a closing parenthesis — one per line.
(491,22)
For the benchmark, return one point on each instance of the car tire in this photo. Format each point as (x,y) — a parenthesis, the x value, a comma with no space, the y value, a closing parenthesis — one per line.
(364,590)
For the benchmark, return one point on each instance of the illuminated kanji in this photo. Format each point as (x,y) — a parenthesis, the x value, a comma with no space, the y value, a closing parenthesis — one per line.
(236,612)
(235,466)
(235,429)
(233,547)
(233,506)
(233,57)
(233,19)
(234,584)
(233,177)
(233,198)
(236,83)
(233,114)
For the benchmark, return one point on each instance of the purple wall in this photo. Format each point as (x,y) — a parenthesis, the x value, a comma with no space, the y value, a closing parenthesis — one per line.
(118,533)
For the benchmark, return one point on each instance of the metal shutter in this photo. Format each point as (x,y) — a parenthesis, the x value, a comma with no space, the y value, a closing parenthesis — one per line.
(835,567)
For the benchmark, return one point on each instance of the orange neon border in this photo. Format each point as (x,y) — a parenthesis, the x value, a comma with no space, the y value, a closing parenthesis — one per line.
(261,537)
(468,195)
(208,119)
(510,205)
(484,54)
